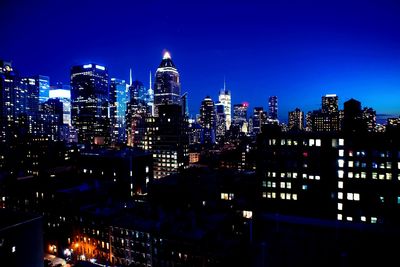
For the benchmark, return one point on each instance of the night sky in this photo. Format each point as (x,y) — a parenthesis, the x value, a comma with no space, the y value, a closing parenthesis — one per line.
(297,50)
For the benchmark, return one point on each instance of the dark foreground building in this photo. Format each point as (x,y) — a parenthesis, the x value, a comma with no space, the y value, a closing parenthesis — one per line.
(21,239)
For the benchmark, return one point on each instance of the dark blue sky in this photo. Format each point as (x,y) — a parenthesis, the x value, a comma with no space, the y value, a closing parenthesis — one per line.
(297,50)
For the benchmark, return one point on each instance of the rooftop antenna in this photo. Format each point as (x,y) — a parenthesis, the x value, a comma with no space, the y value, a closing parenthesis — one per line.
(130,76)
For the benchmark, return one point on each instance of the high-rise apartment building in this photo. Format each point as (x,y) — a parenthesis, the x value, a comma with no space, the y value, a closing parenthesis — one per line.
(273,108)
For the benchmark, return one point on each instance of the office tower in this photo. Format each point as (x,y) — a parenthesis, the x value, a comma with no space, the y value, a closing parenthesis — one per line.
(167,89)
(49,121)
(185,106)
(240,116)
(137,91)
(43,83)
(12,99)
(63,93)
(118,103)
(329,117)
(170,140)
(220,122)
(90,103)
(31,95)
(330,103)
(273,108)
(369,116)
(258,119)
(296,120)
(207,120)
(224,98)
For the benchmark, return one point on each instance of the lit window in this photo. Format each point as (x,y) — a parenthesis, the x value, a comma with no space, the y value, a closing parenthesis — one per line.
(341,152)
(350,175)
(341,163)
(304,176)
(363,218)
(273,195)
(363,175)
(247,214)
(374,175)
(340,173)
(381,176)
(282,175)
(356,196)
(388,176)
(388,165)
(350,164)
(340,195)
(340,206)
(283,195)
(311,142)
(288,185)
(269,195)
(311,177)
(294,196)
(340,184)
(349,196)
(282,184)
(398,200)
(374,219)
(349,218)
(341,142)
(304,187)
(340,217)
(294,175)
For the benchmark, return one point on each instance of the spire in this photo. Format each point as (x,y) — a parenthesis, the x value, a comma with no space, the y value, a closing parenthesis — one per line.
(224,84)
(166,55)
(150,81)
(130,76)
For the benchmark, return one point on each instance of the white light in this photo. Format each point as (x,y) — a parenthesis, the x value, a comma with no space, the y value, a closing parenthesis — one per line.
(100,67)
(60,93)
(330,95)
(87,66)
(167,55)
(13,249)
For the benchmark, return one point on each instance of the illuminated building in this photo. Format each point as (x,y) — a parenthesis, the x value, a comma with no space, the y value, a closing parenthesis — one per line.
(258,119)
(273,108)
(90,103)
(167,88)
(224,98)
(369,116)
(43,84)
(170,141)
(207,120)
(330,103)
(296,120)
(64,95)
(220,122)
(118,103)
(240,116)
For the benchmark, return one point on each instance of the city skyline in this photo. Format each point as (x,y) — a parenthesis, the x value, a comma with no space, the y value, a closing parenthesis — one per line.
(293,50)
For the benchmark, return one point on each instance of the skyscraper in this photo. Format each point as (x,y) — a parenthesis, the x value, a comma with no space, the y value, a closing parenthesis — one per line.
(43,83)
(259,118)
(90,103)
(240,116)
(118,101)
(63,93)
(273,108)
(296,120)
(207,120)
(220,121)
(167,88)
(330,103)
(225,99)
